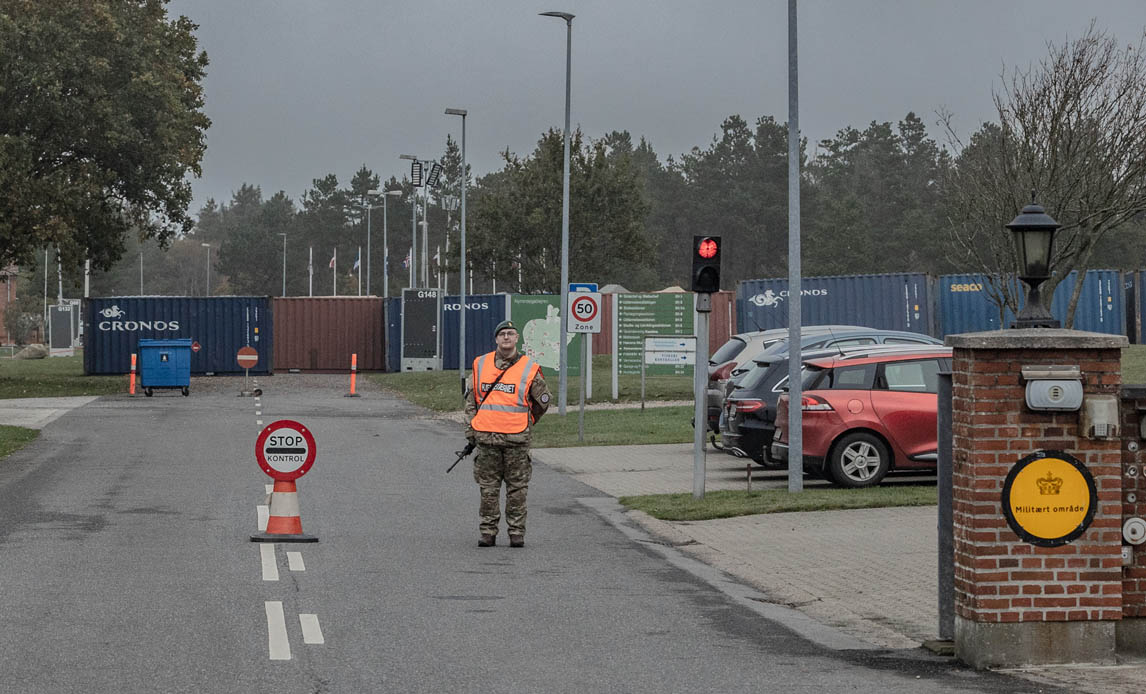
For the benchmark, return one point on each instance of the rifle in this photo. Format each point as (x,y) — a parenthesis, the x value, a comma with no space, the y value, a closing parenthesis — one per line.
(462,454)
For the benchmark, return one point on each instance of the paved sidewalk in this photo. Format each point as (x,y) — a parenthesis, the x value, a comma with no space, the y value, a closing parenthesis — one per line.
(871,573)
(36,413)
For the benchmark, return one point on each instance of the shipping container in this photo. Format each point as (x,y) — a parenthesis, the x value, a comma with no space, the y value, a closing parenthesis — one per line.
(896,301)
(319,334)
(217,327)
(393,333)
(965,305)
(483,313)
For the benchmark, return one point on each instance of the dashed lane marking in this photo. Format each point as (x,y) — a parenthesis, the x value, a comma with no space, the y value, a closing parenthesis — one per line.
(264,515)
(259,422)
(270,565)
(294,561)
(311,632)
(278,644)
(269,487)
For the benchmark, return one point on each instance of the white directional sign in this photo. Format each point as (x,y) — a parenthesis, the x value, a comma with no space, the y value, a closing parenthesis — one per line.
(675,350)
(585,312)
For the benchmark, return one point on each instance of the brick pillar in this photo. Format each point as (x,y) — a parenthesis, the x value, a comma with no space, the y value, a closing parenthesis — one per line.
(1018,603)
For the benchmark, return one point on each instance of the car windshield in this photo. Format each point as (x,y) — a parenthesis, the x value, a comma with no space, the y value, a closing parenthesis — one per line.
(727,351)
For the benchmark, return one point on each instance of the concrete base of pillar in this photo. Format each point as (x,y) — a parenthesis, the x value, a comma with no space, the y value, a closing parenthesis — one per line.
(1130,635)
(990,644)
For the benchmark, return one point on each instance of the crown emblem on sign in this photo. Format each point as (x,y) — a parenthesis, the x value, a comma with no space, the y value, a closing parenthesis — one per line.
(1049,484)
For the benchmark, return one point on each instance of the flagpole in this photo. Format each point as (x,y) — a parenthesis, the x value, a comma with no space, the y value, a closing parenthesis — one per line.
(310,273)
(410,264)
(438,259)
(334,273)
(358,264)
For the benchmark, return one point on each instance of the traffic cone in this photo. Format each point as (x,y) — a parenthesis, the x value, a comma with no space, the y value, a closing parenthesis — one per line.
(284,523)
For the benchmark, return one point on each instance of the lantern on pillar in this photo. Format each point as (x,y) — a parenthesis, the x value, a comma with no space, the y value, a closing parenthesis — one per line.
(1034,239)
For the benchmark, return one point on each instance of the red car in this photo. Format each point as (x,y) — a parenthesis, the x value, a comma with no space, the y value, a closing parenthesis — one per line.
(866,415)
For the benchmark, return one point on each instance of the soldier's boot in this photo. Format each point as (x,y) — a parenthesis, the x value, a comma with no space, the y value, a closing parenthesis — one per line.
(487,540)
(516,540)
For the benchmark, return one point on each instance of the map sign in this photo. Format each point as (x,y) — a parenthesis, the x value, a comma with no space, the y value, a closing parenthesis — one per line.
(539,321)
(639,315)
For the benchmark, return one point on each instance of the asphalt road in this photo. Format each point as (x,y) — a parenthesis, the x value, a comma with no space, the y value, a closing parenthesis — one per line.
(126,566)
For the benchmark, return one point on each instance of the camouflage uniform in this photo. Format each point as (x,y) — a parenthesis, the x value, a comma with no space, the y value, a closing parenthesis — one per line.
(504,458)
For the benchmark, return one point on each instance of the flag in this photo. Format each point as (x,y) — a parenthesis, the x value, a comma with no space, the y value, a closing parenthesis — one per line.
(357,261)
(406,261)
(332,259)
(438,256)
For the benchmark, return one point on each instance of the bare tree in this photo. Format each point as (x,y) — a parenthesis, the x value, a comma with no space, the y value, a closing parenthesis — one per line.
(1071,132)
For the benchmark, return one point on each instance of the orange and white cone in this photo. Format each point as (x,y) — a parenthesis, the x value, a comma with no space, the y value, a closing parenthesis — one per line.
(284,524)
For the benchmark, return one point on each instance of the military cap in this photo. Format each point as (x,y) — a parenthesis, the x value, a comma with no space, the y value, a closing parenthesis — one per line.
(504,325)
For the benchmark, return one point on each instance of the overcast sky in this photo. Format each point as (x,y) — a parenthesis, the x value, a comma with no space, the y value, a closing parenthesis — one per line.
(298,89)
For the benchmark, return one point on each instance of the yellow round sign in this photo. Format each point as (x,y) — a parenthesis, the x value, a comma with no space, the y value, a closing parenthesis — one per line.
(1049,498)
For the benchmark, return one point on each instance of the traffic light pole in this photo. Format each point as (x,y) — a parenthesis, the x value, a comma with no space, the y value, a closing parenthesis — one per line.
(700,393)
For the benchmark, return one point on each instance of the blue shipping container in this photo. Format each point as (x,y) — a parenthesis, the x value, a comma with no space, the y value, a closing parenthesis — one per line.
(965,305)
(898,301)
(220,325)
(483,313)
(393,313)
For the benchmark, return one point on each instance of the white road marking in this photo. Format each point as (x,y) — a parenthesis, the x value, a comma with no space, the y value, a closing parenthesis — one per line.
(264,514)
(277,642)
(269,487)
(258,413)
(311,632)
(259,422)
(294,561)
(270,566)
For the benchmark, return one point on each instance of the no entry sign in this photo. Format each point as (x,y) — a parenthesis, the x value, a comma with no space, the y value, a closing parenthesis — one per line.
(285,450)
(247,357)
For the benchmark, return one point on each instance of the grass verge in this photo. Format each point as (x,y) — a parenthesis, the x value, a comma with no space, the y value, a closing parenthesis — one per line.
(13,438)
(53,377)
(440,390)
(622,427)
(728,504)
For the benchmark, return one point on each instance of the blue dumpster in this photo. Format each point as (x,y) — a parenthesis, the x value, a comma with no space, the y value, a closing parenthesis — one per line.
(164,364)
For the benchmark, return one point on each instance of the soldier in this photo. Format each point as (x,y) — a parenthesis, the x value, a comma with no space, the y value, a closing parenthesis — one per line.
(511,396)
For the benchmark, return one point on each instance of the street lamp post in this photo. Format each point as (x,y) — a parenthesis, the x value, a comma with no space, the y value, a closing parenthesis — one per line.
(462,264)
(208,247)
(385,242)
(413,224)
(564,351)
(282,234)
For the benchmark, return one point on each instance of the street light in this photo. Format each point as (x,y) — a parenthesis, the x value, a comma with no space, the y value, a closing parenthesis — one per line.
(462,277)
(385,242)
(283,234)
(1034,240)
(208,247)
(413,217)
(564,352)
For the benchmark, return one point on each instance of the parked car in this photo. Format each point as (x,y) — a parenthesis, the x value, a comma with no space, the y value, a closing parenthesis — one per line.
(835,337)
(750,407)
(864,415)
(738,350)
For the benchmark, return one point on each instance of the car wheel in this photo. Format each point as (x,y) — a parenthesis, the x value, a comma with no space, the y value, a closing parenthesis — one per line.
(859,459)
(148,392)
(186,391)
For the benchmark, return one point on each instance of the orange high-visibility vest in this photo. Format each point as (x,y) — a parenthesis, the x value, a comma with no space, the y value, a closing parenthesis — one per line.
(504,409)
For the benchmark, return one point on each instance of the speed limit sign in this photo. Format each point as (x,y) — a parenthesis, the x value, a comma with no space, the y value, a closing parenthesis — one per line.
(584,312)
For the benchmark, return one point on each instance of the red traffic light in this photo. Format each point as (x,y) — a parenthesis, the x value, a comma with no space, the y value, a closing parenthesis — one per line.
(707,248)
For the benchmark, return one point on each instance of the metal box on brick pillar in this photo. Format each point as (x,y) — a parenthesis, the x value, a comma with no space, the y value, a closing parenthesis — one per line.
(1037,477)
